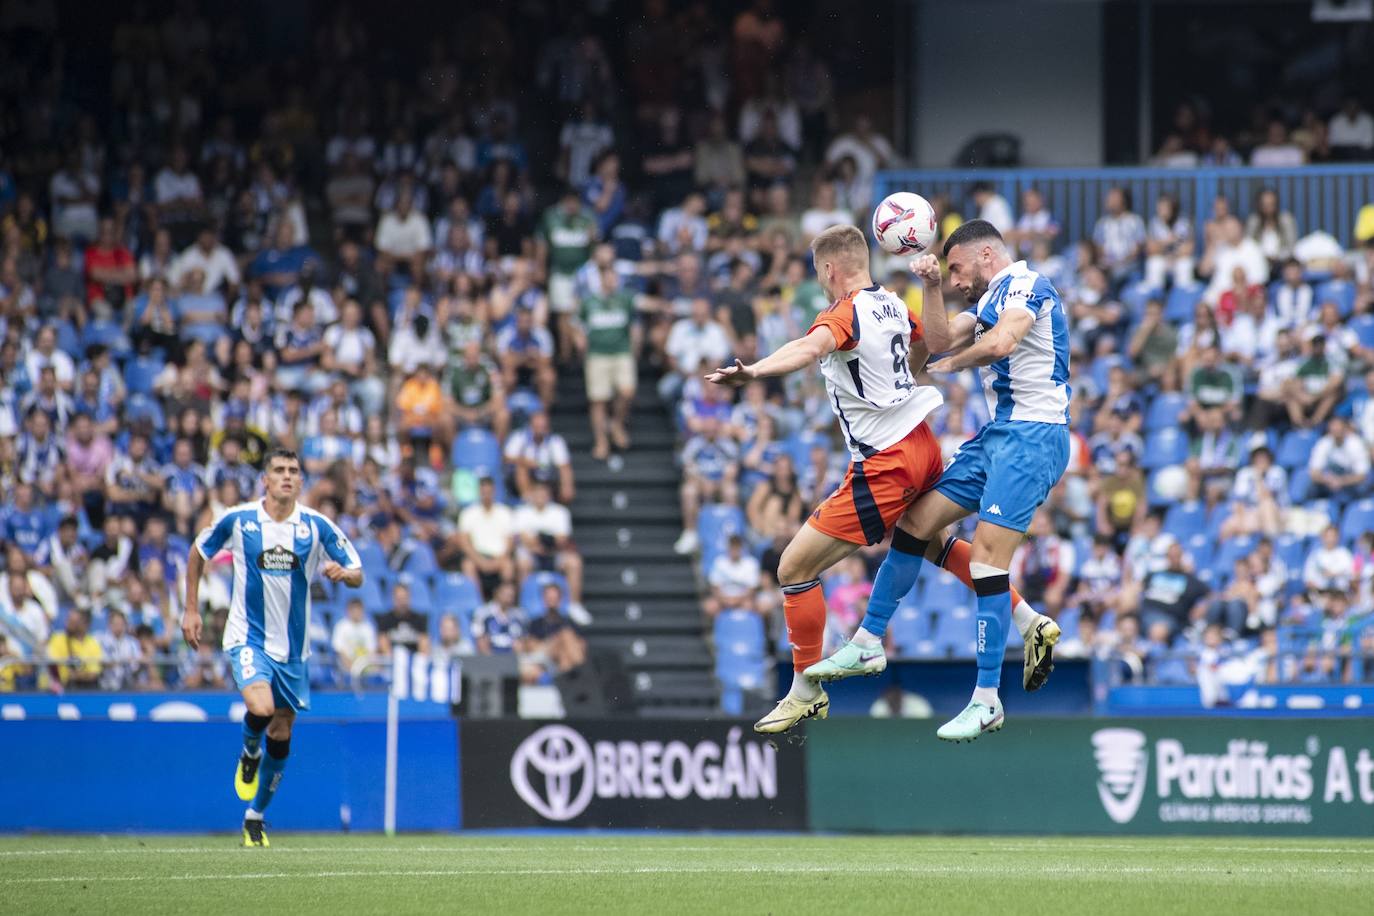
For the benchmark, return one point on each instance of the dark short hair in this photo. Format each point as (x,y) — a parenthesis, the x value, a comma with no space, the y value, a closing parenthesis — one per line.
(975,230)
(276,453)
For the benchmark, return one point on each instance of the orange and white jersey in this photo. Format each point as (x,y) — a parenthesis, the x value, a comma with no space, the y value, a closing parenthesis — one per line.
(868,375)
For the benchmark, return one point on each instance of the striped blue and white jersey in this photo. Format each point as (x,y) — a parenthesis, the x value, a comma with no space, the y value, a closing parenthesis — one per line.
(1033,382)
(273,565)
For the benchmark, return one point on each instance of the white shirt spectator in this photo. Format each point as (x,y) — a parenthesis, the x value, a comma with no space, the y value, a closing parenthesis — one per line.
(353,639)
(787,113)
(552,452)
(997,211)
(1277,156)
(1119,237)
(583,141)
(1246,488)
(171,185)
(350,347)
(73,196)
(1348,457)
(735,579)
(1247,256)
(1251,340)
(1346,131)
(1294,304)
(690,346)
(61,363)
(403,237)
(326,312)
(553,520)
(365,148)
(869,153)
(490,529)
(218,266)
(1328,568)
(815,221)
(671,223)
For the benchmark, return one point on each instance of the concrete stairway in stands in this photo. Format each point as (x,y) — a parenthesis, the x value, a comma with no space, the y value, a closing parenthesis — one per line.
(641,595)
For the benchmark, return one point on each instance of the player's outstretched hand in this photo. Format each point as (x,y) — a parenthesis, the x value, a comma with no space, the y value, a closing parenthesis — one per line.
(927,267)
(333,571)
(942,365)
(190,627)
(734,376)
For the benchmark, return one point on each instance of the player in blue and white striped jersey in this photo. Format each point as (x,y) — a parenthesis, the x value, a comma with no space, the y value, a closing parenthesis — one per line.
(1017,333)
(277,546)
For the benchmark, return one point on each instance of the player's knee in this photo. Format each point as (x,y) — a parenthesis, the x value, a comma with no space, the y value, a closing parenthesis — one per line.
(793,569)
(280,726)
(260,706)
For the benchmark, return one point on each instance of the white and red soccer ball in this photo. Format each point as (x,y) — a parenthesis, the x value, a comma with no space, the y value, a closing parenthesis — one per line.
(904,223)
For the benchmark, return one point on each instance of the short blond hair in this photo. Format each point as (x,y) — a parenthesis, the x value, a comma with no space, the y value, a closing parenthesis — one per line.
(843,245)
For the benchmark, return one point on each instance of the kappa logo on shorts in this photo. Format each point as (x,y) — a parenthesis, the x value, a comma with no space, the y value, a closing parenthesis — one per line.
(994,509)
(909,494)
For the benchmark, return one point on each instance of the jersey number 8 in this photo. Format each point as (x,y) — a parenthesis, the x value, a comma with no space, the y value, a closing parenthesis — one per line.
(901,363)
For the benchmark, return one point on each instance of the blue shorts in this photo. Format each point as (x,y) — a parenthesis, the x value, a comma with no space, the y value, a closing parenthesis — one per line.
(290,680)
(1006,471)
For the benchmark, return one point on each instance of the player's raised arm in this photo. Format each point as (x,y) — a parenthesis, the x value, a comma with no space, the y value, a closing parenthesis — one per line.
(791,356)
(941,335)
(996,343)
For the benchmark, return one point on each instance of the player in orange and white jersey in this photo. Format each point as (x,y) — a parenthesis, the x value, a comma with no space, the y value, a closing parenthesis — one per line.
(870,348)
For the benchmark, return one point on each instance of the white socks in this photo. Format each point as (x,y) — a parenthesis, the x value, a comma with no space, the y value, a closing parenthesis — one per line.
(1023,615)
(251,815)
(988,697)
(866,640)
(804,688)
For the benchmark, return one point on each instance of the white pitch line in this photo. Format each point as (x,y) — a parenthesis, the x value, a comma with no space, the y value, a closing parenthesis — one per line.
(348,850)
(915,870)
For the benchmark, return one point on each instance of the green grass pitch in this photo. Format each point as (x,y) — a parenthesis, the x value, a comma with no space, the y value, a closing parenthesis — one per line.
(684,873)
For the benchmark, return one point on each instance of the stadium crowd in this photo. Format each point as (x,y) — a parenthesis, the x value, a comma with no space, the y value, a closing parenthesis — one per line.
(386,283)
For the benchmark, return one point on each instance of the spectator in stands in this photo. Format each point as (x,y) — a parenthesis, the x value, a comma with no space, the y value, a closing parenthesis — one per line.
(1339,464)
(121,653)
(1214,390)
(1173,595)
(74,192)
(554,642)
(499,626)
(476,392)
(734,579)
(718,161)
(1119,236)
(1169,245)
(544,532)
(1154,343)
(710,468)
(1044,566)
(768,160)
(608,322)
(76,654)
(353,636)
(526,353)
(422,414)
(67,560)
(566,234)
(1277,151)
(110,268)
(402,625)
(1274,230)
(1098,580)
(1035,225)
(1329,566)
(485,538)
(536,453)
(668,160)
(994,208)
(404,239)
(776,502)
(869,152)
(823,213)
(1351,131)
(1258,497)
(693,343)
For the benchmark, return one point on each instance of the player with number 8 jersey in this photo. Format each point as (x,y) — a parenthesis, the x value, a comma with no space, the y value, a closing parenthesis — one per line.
(869,347)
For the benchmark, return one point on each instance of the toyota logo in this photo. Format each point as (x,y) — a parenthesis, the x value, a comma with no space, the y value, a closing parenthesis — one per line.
(560,755)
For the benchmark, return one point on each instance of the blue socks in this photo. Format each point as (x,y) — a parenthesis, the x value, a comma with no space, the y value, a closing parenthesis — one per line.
(269,773)
(253,727)
(993,587)
(895,577)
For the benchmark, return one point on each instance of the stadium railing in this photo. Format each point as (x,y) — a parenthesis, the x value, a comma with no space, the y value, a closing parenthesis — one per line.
(1326,197)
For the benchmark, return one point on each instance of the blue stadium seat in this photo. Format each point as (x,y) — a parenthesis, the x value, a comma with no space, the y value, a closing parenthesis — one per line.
(739,633)
(421,596)
(373,559)
(1178,308)
(741,672)
(1183,520)
(455,592)
(1165,410)
(1356,520)
(1230,551)
(142,405)
(799,446)
(532,592)
(420,561)
(67,339)
(1199,547)
(477,449)
(1295,447)
(522,403)
(1101,369)
(1299,482)
(140,372)
(1164,447)
(1292,550)
(1341,292)
(717,521)
(1363,326)
(375,598)
(910,626)
(943,591)
(1068,622)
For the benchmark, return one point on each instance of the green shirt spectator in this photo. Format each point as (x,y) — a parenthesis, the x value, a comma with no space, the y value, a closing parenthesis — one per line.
(607,320)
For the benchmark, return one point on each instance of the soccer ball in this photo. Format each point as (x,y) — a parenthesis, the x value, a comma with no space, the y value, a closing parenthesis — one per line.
(904,223)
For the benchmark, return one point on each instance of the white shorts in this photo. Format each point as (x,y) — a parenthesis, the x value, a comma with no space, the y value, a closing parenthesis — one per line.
(562,293)
(609,375)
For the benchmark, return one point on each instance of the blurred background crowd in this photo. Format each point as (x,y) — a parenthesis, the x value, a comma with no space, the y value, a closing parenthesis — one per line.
(388,262)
